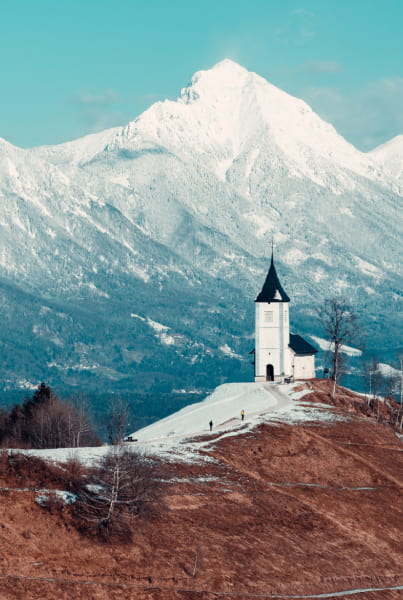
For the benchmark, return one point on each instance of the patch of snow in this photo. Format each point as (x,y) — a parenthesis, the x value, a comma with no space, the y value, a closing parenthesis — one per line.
(191,391)
(367,268)
(326,345)
(307,412)
(139,272)
(94,488)
(23,384)
(225,349)
(323,257)
(87,455)
(222,167)
(120,181)
(166,339)
(51,233)
(261,224)
(156,326)
(294,257)
(134,316)
(64,496)
(388,370)
(319,274)
(340,285)
(96,290)
(344,210)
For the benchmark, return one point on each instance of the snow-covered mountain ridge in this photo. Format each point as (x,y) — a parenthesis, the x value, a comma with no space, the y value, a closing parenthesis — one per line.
(390,155)
(170,218)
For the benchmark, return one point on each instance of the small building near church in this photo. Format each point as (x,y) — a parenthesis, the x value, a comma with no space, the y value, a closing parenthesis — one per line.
(278,354)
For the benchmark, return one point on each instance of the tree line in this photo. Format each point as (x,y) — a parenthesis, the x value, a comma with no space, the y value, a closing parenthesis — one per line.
(45,421)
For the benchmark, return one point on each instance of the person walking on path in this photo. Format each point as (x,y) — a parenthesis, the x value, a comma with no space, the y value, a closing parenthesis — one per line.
(211,425)
(242,414)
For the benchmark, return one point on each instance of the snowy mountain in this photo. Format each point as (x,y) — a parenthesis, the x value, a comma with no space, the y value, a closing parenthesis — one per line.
(390,157)
(131,258)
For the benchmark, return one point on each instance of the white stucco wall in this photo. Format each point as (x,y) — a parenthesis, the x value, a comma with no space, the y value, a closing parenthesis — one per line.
(304,366)
(272,335)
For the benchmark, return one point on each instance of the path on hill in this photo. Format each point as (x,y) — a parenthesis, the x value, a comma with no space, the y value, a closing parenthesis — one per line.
(203,412)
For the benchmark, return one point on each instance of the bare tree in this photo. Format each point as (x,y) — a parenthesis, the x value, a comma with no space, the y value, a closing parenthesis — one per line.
(340,325)
(121,489)
(45,421)
(82,429)
(118,420)
(398,388)
(400,359)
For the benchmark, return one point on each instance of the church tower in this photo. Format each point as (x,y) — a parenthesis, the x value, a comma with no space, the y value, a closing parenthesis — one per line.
(272,330)
(279,354)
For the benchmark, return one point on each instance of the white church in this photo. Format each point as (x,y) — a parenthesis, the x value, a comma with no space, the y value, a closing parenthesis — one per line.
(278,354)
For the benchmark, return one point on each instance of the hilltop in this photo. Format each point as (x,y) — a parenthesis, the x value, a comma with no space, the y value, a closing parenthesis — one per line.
(300,499)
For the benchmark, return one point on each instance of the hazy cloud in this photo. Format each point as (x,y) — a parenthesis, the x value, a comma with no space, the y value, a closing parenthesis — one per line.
(105,109)
(298,28)
(98,111)
(95,119)
(322,66)
(303,12)
(367,117)
(151,98)
(102,99)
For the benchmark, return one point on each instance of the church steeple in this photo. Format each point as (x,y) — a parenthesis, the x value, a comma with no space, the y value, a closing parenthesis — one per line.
(278,355)
(272,290)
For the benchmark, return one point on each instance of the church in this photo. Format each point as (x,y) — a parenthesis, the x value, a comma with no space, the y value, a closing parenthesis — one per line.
(279,355)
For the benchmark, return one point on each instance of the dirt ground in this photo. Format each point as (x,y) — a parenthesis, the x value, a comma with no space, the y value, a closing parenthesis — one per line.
(281,511)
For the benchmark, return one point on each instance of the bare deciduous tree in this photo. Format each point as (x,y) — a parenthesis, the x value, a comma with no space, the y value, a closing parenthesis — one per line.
(340,325)
(82,430)
(400,383)
(118,420)
(121,489)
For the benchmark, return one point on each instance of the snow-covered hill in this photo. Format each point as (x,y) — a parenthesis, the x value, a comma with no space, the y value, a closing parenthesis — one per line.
(260,402)
(168,220)
(182,434)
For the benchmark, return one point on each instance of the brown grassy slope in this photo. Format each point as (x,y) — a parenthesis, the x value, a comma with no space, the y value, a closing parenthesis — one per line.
(247,523)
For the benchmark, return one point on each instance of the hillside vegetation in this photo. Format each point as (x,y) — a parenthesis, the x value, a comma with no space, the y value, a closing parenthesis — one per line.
(279,509)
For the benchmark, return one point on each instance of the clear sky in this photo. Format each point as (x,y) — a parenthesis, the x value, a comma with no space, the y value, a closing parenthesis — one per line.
(70,67)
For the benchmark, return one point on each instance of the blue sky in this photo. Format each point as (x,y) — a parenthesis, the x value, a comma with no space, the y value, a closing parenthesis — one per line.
(72,67)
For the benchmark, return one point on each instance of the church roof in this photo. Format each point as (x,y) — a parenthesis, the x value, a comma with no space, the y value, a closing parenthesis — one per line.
(300,346)
(272,290)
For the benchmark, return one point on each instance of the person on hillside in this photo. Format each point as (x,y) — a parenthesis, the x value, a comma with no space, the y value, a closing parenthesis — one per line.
(242,414)
(211,425)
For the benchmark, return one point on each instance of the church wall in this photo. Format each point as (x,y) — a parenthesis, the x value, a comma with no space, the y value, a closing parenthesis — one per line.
(304,367)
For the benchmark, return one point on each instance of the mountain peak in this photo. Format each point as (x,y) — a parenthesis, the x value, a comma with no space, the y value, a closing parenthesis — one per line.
(390,156)
(229,65)
(393,143)
(224,75)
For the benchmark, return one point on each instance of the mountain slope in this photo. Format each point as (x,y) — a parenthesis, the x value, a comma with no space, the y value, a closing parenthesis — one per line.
(170,218)
(390,157)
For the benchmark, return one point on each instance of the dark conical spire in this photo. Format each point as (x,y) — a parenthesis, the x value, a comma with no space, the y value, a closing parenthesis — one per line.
(272,290)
